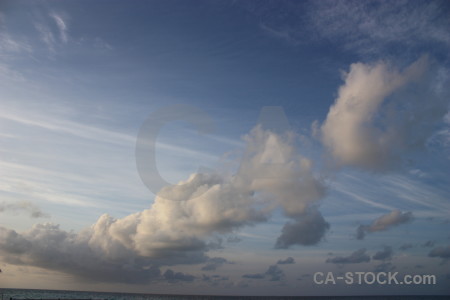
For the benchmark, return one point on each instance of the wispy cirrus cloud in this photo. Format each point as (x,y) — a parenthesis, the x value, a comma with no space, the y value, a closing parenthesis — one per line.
(46,35)
(43,33)
(10,45)
(27,206)
(41,184)
(61,24)
(417,192)
(60,169)
(53,30)
(377,27)
(12,48)
(366,28)
(90,132)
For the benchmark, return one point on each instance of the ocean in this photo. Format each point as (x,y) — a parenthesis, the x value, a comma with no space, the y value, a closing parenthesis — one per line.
(7,294)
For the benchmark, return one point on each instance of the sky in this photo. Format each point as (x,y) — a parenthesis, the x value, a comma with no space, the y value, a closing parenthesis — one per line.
(224,147)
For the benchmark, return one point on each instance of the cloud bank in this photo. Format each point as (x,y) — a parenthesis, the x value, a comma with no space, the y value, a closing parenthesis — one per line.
(184,221)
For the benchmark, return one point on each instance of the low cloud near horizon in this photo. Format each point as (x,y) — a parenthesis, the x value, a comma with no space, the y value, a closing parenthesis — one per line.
(287,261)
(181,224)
(358,256)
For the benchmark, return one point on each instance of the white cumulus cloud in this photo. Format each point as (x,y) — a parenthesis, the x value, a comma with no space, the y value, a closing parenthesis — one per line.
(381,114)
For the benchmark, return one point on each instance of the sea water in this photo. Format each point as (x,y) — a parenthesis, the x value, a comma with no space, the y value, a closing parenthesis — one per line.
(7,294)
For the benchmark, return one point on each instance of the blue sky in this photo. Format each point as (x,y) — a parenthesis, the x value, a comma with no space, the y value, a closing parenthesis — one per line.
(328,143)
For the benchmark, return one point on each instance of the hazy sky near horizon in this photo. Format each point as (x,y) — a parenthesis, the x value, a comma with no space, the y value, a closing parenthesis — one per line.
(326,145)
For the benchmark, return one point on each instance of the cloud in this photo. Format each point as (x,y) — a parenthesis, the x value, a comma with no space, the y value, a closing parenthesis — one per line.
(233,239)
(213,263)
(173,277)
(47,246)
(273,273)
(441,139)
(54,32)
(359,256)
(382,114)
(33,210)
(284,33)
(306,230)
(384,267)
(406,246)
(374,27)
(10,46)
(418,266)
(272,166)
(185,221)
(385,254)
(428,244)
(442,252)
(61,24)
(366,28)
(214,277)
(394,218)
(215,280)
(254,276)
(46,35)
(287,261)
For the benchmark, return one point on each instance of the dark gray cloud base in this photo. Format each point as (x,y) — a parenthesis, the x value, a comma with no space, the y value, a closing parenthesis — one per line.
(287,261)
(273,273)
(442,252)
(307,230)
(359,256)
(385,254)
